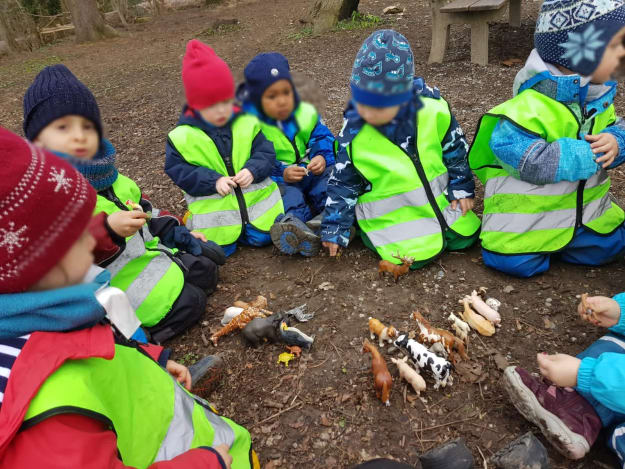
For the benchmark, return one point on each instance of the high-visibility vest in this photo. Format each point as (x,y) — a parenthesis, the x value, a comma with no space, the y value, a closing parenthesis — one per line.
(407,211)
(524,218)
(221,219)
(154,417)
(144,269)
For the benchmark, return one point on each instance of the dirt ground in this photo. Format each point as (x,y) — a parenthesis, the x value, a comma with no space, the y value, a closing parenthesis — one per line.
(321,411)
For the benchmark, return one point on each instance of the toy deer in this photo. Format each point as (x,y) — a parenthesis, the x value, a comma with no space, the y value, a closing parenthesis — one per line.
(410,374)
(383,332)
(382,380)
(396,270)
(430,334)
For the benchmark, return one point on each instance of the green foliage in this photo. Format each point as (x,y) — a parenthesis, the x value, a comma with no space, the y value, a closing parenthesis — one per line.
(42,7)
(11,74)
(358,21)
(219,30)
(301,34)
(188,359)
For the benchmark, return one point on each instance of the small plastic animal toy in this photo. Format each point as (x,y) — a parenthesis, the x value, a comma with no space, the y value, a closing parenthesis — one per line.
(293,336)
(259,329)
(237,323)
(229,313)
(294,349)
(461,328)
(411,375)
(383,332)
(452,344)
(382,380)
(136,206)
(482,308)
(396,270)
(589,313)
(285,357)
(259,302)
(424,359)
(476,321)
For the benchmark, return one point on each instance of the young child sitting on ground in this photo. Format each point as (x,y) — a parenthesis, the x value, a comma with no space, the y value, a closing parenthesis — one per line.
(75,393)
(543,155)
(166,288)
(304,149)
(401,165)
(219,157)
(571,419)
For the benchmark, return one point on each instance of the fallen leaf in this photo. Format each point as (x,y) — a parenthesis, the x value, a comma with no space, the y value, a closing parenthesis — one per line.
(501,361)
(325,286)
(511,62)
(548,323)
(518,325)
(325,421)
(469,372)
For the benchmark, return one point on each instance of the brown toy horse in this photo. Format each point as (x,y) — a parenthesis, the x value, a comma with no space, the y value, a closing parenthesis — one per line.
(430,334)
(382,380)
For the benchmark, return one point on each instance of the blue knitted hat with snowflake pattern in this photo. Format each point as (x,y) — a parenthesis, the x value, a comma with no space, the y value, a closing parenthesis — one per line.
(383,71)
(575,33)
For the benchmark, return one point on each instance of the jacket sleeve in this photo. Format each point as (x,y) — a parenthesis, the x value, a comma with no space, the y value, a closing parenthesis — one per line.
(108,243)
(455,148)
(157,353)
(194,180)
(321,142)
(262,159)
(532,159)
(74,441)
(618,130)
(161,223)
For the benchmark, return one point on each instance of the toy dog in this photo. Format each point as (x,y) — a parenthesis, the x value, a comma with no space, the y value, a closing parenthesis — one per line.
(383,332)
(439,367)
(410,375)
(262,328)
(382,380)
(430,334)
(293,336)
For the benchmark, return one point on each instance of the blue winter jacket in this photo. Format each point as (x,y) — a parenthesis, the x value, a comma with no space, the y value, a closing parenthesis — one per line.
(321,140)
(532,159)
(346,184)
(199,180)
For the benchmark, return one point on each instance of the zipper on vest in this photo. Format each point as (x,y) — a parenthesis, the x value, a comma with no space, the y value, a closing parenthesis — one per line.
(580,203)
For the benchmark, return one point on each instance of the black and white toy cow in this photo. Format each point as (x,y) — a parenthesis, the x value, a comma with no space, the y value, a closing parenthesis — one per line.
(424,359)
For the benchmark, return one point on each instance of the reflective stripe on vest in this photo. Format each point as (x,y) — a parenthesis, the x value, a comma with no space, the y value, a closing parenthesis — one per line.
(221,219)
(306,118)
(151,280)
(520,217)
(400,213)
(153,417)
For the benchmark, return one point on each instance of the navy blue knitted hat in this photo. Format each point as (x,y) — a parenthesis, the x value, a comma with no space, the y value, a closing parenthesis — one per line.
(383,70)
(263,71)
(55,93)
(575,33)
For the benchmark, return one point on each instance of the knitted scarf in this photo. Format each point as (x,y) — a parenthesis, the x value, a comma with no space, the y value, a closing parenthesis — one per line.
(99,171)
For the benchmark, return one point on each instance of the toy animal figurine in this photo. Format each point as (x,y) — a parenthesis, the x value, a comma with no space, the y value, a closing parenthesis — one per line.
(285,358)
(383,332)
(424,359)
(482,308)
(452,344)
(299,314)
(382,380)
(396,270)
(294,349)
(476,321)
(461,328)
(237,323)
(410,375)
(293,336)
(259,329)
(136,206)
(259,302)
(229,313)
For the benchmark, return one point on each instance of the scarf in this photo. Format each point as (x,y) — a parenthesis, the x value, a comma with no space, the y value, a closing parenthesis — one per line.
(99,171)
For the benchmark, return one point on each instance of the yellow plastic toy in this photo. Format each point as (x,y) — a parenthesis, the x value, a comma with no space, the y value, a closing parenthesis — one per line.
(285,357)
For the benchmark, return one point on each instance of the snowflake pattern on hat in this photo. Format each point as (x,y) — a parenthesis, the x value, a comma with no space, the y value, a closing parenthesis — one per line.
(558,15)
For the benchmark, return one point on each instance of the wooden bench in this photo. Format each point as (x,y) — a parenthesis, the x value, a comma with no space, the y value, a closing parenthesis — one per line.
(476,13)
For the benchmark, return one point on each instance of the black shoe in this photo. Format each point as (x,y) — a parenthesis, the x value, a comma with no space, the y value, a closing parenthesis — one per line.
(526,451)
(451,455)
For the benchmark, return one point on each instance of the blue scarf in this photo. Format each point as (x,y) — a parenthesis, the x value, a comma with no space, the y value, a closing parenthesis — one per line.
(99,171)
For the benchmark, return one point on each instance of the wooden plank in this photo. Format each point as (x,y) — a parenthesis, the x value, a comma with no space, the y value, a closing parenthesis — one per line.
(458,6)
(482,5)
(479,42)
(515,13)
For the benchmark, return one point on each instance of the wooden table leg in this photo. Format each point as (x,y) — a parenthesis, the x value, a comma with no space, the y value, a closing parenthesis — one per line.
(440,33)
(479,42)
(515,13)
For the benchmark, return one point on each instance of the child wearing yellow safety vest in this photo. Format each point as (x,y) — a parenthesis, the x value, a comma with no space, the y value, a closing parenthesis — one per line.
(401,167)
(543,154)
(165,270)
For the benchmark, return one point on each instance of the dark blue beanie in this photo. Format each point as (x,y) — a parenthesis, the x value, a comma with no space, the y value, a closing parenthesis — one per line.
(383,70)
(55,93)
(263,71)
(575,33)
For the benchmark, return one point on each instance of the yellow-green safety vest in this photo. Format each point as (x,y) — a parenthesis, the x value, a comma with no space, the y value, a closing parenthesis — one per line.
(524,218)
(407,210)
(154,417)
(221,219)
(144,269)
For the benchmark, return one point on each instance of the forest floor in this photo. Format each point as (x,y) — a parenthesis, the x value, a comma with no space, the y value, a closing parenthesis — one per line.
(321,411)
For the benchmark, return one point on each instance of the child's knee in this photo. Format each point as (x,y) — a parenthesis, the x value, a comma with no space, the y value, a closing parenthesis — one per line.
(518,265)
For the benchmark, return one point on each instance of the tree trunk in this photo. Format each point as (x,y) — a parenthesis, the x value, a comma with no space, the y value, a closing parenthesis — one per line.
(326,13)
(88,22)
(122,10)
(157,7)
(17,27)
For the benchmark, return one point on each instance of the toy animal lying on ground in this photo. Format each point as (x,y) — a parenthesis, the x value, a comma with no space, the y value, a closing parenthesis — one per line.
(383,332)
(382,381)
(482,308)
(293,336)
(439,367)
(410,375)
(396,270)
(251,310)
(430,334)
(259,329)
(461,328)
(476,321)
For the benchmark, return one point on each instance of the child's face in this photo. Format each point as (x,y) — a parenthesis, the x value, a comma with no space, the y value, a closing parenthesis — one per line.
(219,113)
(72,135)
(72,268)
(611,59)
(377,116)
(278,101)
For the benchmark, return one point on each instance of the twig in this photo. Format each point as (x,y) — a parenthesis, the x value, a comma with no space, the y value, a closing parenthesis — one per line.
(312,276)
(275,415)
(483,458)
(448,423)
(319,364)
(336,349)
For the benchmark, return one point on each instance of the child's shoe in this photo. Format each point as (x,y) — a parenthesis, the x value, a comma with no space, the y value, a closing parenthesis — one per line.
(291,236)
(564,417)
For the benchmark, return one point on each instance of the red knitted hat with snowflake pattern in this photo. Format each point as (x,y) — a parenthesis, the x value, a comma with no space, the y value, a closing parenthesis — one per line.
(45,206)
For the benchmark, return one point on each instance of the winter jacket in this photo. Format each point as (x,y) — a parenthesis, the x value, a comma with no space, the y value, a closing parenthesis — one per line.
(346,184)
(200,181)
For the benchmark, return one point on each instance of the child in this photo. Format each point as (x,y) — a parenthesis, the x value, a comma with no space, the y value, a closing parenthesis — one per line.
(542,155)
(401,165)
(571,419)
(220,159)
(73,393)
(167,288)
(304,149)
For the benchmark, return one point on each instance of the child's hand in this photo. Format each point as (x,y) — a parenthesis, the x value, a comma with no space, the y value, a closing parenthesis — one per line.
(604,143)
(126,223)
(180,372)
(294,173)
(465,205)
(223,452)
(317,165)
(607,312)
(224,185)
(198,235)
(333,248)
(560,369)
(244,178)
